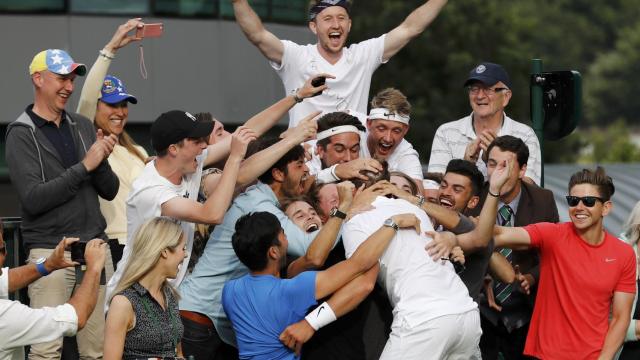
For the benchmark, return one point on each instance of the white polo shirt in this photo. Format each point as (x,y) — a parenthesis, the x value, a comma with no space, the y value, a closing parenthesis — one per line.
(452,138)
(419,288)
(21,325)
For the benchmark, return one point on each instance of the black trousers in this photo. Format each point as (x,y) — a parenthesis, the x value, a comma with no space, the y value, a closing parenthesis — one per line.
(496,339)
(203,343)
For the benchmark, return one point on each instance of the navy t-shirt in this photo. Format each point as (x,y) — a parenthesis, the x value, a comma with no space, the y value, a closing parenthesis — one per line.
(260,307)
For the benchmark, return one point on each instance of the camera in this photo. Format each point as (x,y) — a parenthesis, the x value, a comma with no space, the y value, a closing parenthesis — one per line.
(77,252)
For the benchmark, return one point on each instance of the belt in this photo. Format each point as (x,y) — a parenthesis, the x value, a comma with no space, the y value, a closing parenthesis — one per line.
(196,317)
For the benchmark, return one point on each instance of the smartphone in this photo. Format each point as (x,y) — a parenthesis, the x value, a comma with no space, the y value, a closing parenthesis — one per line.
(150,30)
(77,252)
(319,81)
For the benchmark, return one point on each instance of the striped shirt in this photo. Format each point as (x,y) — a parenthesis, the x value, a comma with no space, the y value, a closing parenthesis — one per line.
(452,138)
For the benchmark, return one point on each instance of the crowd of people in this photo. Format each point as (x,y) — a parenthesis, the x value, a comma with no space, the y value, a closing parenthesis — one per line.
(327,242)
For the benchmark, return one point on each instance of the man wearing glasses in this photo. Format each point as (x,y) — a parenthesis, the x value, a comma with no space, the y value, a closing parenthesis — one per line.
(489,89)
(586,274)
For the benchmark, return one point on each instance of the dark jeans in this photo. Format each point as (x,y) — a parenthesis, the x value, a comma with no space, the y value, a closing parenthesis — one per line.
(497,339)
(203,343)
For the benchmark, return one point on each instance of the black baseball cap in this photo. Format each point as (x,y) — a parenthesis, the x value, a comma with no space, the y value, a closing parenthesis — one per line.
(488,74)
(176,125)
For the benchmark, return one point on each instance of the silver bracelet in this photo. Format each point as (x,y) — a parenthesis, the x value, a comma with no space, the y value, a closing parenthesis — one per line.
(109,56)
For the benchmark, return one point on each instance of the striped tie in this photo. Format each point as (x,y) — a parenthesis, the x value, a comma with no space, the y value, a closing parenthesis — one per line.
(502,290)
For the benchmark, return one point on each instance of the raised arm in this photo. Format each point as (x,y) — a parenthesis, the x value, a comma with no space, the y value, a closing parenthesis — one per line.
(268,44)
(93,83)
(213,210)
(411,27)
(266,119)
(86,295)
(24,275)
(323,242)
(365,257)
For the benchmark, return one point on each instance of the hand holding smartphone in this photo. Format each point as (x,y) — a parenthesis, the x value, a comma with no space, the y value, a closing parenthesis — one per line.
(150,30)
(319,81)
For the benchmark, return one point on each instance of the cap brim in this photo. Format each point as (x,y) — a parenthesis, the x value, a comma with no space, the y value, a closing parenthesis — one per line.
(116,98)
(79,69)
(487,81)
(202,129)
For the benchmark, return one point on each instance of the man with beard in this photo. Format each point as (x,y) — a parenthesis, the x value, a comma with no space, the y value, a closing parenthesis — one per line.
(505,321)
(201,306)
(489,89)
(352,66)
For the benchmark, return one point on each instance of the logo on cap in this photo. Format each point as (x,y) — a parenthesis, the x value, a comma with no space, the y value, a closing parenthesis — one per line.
(480,69)
(108,86)
(190,116)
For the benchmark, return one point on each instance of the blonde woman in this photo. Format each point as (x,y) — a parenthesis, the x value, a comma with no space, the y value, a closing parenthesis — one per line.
(143,319)
(631,235)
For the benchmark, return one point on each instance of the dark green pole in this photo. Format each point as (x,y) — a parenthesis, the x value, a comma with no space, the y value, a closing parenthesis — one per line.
(537,112)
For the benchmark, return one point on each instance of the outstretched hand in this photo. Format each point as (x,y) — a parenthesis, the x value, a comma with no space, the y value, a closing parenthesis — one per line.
(442,244)
(308,90)
(501,174)
(240,139)
(305,130)
(121,37)
(57,260)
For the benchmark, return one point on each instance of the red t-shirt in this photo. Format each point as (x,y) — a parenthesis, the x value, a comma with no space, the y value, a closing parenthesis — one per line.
(577,281)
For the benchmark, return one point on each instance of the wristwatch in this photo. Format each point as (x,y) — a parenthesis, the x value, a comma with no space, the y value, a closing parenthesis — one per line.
(392,224)
(421,200)
(337,213)
(40,266)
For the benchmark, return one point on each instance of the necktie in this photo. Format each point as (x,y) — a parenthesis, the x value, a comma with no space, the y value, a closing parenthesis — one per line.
(502,290)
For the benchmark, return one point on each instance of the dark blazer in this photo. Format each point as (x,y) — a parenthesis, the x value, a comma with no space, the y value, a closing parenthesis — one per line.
(536,205)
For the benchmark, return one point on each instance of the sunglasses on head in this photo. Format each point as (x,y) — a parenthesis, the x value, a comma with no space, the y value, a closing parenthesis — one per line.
(588,201)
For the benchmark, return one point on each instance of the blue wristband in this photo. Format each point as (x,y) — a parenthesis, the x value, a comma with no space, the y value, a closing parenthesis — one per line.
(41,269)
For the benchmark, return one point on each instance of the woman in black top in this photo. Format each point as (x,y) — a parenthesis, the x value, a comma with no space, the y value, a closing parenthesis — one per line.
(143,319)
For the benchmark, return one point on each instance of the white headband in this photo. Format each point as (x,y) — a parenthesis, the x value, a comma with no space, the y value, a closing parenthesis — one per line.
(382,113)
(430,185)
(337,130)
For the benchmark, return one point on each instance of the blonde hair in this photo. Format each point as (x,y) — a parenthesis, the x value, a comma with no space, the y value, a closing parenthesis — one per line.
(632,225)
(150,239)
(392,100)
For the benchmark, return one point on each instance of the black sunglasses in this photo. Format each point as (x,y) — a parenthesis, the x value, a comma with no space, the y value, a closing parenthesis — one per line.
(588,201)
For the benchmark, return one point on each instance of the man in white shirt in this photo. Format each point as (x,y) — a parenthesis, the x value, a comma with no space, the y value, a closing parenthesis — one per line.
(434,317)
(21,325)
(168,185)
(468,138)
(352,66)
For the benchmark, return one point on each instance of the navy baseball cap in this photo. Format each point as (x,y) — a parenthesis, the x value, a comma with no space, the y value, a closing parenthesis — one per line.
(489,74)
(113,91)
(176,125)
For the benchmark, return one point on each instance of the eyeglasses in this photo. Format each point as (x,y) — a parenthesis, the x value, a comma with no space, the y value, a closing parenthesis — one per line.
(588,201)
(475,90)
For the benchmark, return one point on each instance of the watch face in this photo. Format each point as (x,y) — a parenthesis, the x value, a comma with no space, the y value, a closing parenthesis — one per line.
(41,260)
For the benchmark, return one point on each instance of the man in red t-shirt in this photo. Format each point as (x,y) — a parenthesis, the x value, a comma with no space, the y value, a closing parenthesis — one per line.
(584,273)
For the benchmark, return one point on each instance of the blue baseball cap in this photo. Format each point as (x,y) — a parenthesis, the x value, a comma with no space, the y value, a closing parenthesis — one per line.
(489,74)
(113,91)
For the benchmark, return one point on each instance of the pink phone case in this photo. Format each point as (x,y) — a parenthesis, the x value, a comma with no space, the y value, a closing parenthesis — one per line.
(150,31)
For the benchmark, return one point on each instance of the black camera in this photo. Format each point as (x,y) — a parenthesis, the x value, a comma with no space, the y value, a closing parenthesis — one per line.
(77,252)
